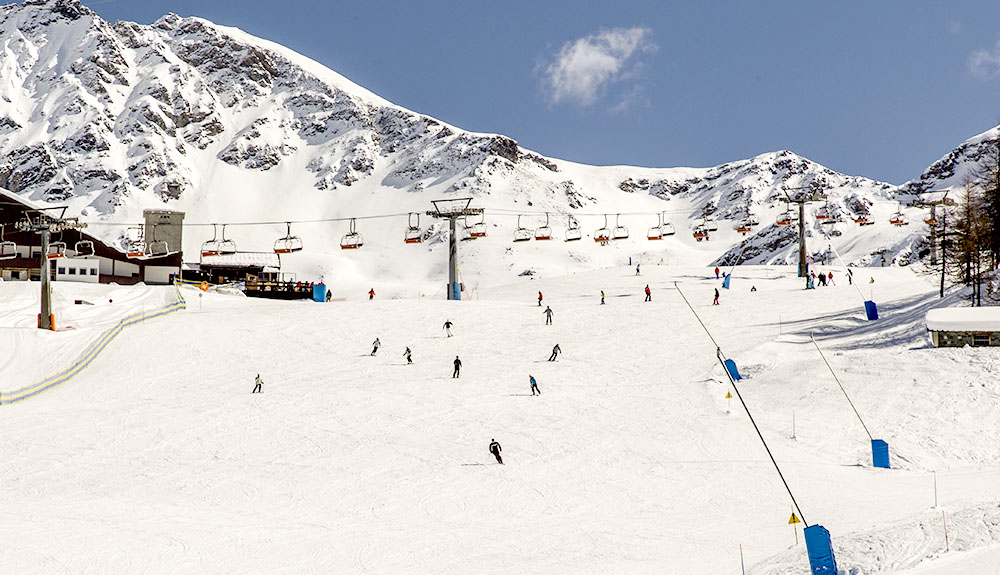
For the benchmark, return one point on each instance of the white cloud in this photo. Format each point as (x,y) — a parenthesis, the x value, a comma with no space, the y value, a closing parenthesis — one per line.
(583,70)
(985,64)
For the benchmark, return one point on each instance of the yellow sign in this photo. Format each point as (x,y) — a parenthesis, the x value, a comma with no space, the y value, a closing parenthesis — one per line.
(729,395)
(204,286)
(793,519)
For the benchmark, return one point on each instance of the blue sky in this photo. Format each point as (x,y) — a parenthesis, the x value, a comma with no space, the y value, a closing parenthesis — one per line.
(879,89)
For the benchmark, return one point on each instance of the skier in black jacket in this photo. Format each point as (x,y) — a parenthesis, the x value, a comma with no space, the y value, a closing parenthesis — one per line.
(495,450)
(458,367)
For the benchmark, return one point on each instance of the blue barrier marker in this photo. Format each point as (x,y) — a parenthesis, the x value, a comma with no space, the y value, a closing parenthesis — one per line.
(456,291)
(725,282)
(319,293)
(820,550)
(731,368)
(871,309)
(880,453)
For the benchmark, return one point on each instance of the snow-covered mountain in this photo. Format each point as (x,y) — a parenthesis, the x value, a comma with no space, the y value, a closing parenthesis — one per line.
(111,119)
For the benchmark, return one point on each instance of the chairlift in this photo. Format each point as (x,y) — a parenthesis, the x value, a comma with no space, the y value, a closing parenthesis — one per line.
(701,233)
(8,249)
(135,241)
(620,232)
(744,227)
(352,240)
(413,235)
(602,235)
(710,224)
(668,229)
(521,234)
(898,218)
(573,232)
(57,249)
(478,229)
(211,247)
(289,243)
(156,248)
(822,213)
(84,248)
(863,220)
(931,221)
(544,232)
(656,232)
(784,219)
(226,247)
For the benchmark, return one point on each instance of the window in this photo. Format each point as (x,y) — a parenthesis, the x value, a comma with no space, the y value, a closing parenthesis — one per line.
(62,270)
(93,271)
(72,271)
(980,339)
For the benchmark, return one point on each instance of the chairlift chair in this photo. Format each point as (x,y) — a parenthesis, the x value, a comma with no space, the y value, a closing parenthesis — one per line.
(668,229)
(352,240)
(784,219)
(602,235)
(656,232)
(84,248)
(710,224)
(620,232)
(211,247)
(289,243)
(414,235)
(573,232)
(478,229)
(931,221)
(744,227)
(701,233)
(521,234)
(544,232)
(898,218)
(56,250)
(156,248)
(862,220)
(8,249)
(226,247)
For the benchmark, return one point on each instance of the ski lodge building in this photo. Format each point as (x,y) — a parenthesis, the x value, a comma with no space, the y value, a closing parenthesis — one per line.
(961,326)
(154,251)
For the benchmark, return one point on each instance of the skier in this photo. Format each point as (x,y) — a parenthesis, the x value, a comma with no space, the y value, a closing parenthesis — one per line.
(649,294)
(636,269)
(256,387)
(371,294)
(458,367)
(548,315)
(447,327)
(753,288)
(850,277)
(406,354)
(602,297)
(555,351)
(539,299)
(495,450)
(871,279)
(716,300)
(716,272)
(375,346)
(329,294)
(534,386)
(829,279)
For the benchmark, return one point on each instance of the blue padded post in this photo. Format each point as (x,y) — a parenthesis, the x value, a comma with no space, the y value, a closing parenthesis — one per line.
(725,282)
(880,453)
(456,290)
(731,368)
(820,550)
(871,309)
(319,293)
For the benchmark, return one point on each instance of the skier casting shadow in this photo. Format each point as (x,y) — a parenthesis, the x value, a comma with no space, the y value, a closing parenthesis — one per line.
(495,450)
(458,368)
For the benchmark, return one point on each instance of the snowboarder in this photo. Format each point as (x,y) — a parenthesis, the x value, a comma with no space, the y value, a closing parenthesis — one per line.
(636,269)
(548,315)
(495,450)
(602,297)
(375,345)
(716,300)
(371,294)
(458,367)
(716,272)
(539,299)
(447,327)
(534,385)
(555,351)
(257,384)
(649,294)
(406,354)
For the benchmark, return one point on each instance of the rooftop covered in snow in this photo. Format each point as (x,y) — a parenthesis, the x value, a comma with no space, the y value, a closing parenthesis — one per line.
(964,319)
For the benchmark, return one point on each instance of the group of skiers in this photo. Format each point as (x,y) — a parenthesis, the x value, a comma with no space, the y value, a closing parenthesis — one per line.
(823,279)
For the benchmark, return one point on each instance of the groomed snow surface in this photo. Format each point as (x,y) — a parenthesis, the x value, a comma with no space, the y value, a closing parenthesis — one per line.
(158,459)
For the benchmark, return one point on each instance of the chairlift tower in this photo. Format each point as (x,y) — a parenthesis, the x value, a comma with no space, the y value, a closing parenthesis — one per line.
(452,210)
(932,221)
(45,225)
(806,195)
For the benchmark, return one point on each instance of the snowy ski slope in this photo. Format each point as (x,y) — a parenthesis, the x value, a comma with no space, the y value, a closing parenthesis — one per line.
(158,459)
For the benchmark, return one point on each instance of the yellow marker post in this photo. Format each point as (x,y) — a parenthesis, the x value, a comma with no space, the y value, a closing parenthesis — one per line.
(729,401)
(792,521)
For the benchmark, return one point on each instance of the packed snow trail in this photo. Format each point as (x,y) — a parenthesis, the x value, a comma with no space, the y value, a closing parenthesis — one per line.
(159,459)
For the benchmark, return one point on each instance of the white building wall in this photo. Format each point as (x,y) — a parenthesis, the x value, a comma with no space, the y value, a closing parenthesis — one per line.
(158,274)
(76,269)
